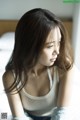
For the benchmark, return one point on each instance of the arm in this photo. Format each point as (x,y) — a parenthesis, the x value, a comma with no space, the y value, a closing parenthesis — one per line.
(65,108)
(14,99)
(67,87)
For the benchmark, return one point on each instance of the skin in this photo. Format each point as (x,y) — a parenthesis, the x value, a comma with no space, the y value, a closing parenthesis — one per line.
(51,48)
(38,73)
(47,58)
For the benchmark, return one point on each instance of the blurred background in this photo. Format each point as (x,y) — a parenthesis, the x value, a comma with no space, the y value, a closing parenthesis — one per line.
(12,10)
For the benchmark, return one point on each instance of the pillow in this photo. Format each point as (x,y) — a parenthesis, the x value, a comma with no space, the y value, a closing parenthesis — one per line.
(4,58)
(7,41)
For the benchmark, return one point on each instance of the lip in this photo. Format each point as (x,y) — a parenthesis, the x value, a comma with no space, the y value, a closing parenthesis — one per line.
(53,59)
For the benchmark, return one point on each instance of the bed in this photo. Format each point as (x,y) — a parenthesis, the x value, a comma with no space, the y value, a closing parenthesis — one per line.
(7,28)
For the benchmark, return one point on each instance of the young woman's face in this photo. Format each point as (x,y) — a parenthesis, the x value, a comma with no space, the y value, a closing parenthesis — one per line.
(51,48)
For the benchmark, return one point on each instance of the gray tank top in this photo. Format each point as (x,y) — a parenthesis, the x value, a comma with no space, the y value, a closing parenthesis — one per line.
(43,105)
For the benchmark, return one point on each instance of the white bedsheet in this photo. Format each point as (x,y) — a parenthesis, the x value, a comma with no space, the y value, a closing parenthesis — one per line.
(6,47)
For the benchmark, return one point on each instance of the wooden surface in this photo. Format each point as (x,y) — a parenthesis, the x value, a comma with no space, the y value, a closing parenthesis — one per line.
(68,25)
(7,26)
(10,25)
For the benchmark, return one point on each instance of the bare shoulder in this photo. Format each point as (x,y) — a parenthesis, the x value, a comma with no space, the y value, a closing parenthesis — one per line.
(74,71)
(72,74)
(13,99)
(8,79)
(74,67)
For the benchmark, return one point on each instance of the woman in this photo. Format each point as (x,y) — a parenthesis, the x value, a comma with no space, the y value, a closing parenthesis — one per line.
(40,72)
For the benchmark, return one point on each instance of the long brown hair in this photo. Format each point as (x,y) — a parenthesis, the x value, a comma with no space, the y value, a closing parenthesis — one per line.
(30,35)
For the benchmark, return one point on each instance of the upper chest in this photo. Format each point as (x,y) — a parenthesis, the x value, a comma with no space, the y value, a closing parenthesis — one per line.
(41,85)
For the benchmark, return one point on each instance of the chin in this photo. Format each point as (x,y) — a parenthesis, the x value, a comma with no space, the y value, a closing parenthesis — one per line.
(51,64)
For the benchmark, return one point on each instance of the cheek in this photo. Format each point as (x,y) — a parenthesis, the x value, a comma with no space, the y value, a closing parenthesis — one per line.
(45,56)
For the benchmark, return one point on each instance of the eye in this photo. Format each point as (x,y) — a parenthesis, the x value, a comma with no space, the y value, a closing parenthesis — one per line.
(50,46)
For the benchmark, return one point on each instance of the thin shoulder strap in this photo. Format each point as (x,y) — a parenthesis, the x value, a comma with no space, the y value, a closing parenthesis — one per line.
(50,77)
(56,74)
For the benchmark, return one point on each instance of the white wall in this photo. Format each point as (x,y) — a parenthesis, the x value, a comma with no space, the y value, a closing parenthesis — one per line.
(14,9)
(76,34)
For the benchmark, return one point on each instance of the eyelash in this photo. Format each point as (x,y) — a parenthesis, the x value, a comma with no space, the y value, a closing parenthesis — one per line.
(53,45)
(50,46)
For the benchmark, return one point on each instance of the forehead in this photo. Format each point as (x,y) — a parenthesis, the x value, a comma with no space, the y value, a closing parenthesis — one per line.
(54,35)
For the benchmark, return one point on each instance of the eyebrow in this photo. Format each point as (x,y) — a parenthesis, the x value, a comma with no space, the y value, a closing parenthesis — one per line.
(52,42)
(49,42)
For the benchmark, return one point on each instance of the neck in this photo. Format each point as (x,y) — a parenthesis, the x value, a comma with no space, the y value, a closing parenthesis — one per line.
(38,69)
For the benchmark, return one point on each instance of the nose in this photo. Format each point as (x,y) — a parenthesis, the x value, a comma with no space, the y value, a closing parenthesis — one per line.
(56,50)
